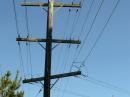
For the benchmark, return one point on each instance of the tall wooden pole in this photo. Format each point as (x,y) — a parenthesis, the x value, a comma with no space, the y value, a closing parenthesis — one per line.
(48,50)
(47,73)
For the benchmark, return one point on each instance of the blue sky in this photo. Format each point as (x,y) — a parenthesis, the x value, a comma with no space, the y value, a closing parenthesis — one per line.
(108,66)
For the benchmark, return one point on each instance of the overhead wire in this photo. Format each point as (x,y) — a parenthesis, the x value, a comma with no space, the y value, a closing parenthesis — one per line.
(17,30)
(65,61)
(86,36)
(86,18)
(28,35)
(100,34)
(83,25)
(21,59)
(67,56)
(73,25)
(76,17)
(63,50)
(16,19)
(101,83)
(71,92)
(73,0)
(105,84)
(67,81)
(0,70)
(26,19)
(75,22)
(30,58)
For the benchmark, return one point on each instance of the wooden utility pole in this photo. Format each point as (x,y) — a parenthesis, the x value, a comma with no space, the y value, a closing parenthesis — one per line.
(48,50)
(47,73)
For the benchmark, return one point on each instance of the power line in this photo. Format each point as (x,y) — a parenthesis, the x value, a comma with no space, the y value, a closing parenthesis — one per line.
(28,35)
(85,21)
(16,19)
(64,36)
(29,55)
(82,2)
(86,36)
(105,85)
(78,16)
(86,18)
(21,59)
(62,50)
(71,92)
(99,36)
(67,55)
(17,30)
(101,83)
(74,23)
(26,19)
(65,59)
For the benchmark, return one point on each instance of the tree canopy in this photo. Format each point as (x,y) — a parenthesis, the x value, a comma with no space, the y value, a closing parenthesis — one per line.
(9,87)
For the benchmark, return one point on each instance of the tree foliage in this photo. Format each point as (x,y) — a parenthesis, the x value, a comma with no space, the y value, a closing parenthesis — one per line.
(9,87)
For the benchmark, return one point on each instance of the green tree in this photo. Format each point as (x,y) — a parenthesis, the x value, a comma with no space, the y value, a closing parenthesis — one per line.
(9,87)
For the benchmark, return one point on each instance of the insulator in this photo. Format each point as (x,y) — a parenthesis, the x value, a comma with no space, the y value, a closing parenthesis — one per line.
(77,10)
(69,10)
